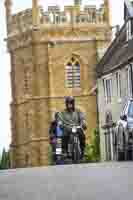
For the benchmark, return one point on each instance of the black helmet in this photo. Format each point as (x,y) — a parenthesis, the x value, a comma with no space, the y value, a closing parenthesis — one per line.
(70,100)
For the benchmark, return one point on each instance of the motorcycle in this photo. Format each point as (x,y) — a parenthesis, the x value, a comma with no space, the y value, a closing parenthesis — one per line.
(74,149)
(58,147)
(73,154)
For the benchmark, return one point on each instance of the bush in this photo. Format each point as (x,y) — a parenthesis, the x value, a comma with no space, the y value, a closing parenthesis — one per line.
(92,151)
(89,157)
(50,156)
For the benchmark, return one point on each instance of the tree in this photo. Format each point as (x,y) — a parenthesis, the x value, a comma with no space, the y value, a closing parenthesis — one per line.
(5,160)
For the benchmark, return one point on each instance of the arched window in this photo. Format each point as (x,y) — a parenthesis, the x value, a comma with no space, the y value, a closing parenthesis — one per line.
(72,74)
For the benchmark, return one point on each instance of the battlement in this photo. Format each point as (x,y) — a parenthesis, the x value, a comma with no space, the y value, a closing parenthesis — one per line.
(22,21)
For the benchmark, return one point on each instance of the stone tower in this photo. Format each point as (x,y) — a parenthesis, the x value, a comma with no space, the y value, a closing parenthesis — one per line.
(53,55)
(77,2)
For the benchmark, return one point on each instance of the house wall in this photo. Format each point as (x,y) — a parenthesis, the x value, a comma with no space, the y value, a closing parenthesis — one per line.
(115,106)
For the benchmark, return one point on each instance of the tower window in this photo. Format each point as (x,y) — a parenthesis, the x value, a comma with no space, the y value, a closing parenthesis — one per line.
(72,74)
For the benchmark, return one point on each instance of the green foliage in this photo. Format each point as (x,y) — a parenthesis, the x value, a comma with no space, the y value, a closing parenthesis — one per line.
(8,163)
(5,160)
(0,161)
(92,151)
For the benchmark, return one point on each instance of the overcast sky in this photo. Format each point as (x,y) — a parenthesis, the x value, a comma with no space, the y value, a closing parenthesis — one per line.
(5,100)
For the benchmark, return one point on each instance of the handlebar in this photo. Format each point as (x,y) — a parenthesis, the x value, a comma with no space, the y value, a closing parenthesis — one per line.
(62,122)
(70,126)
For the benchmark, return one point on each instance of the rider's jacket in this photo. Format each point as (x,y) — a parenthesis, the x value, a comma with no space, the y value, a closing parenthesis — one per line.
(71,118)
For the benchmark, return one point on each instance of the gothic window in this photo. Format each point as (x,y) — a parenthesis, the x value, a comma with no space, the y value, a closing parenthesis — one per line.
(72,74)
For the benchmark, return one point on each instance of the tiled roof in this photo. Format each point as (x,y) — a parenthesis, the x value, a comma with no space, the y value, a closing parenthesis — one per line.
(117,54)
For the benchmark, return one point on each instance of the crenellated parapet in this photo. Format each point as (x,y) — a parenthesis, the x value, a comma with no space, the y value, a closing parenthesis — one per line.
(90,14)
(56,24)
(70,16)
(20,22)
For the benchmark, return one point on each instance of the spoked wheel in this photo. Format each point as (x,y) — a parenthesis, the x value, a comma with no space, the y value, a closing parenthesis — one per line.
(76,153)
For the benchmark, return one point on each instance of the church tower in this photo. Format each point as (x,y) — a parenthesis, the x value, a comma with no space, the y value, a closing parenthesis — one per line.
(53,55)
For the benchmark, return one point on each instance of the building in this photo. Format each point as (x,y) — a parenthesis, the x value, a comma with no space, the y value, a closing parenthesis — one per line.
(115,79)
(53,55)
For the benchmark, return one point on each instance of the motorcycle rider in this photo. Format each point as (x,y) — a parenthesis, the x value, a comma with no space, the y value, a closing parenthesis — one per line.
(71,115)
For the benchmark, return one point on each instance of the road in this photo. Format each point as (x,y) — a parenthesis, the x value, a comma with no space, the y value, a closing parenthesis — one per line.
(104,181)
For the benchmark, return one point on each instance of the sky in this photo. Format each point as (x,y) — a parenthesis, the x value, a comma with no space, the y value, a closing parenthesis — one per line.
(5,88)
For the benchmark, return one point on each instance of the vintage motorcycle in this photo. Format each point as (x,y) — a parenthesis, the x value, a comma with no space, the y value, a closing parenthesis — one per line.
(74,150)
(73,154)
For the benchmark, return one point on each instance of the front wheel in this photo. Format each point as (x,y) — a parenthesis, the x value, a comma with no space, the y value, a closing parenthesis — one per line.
(76,153)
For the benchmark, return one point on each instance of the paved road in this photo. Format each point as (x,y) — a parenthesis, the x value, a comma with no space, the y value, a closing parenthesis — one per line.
(106,181)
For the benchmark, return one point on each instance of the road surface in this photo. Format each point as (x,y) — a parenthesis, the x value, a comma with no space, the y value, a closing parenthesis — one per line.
(104,181)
